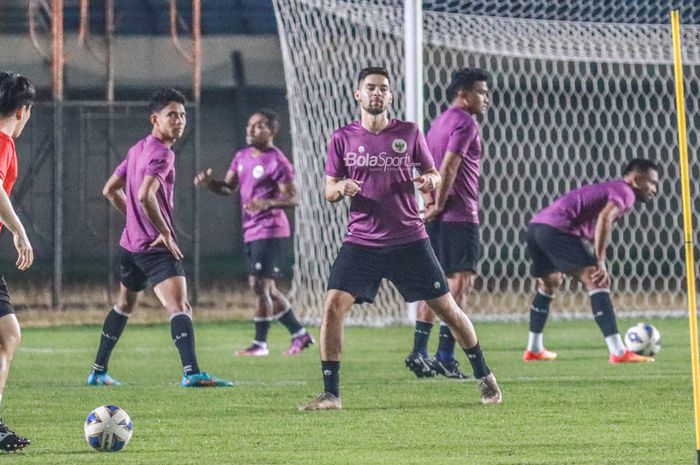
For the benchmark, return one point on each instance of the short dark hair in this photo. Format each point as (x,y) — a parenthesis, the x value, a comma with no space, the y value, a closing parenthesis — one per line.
(273,120)
(640,165)
(161,98)
(464,79)
(364,72)
(15,91)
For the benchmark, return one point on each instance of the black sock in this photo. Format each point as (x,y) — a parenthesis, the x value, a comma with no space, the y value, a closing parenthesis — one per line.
(539,312)
(262,326)
(331,377)
(420,337)
(289,320)
(183,336)
(476,358)
(603,312)
(446,347)
(111,332)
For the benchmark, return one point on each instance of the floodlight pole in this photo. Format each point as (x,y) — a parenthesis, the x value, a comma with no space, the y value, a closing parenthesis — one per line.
(413,72)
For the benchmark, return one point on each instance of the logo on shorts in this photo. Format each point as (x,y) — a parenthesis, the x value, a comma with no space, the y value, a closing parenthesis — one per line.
(399,146)
(258,171)
(437,285)
(258,266)
(275,270)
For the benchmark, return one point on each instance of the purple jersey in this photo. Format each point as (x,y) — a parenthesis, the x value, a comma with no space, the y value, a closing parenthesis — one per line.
(148,156)
(577,212)
(259,175)
(385,211)
(456,131)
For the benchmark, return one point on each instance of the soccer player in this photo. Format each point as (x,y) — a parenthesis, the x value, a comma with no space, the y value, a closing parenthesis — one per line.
(372,162)
(141,188)
(555,242)
(266,181)
(452,212)
(16,98)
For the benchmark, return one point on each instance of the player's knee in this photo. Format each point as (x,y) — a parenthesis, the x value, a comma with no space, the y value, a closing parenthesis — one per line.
(260,287)
(549,284)
(333,308)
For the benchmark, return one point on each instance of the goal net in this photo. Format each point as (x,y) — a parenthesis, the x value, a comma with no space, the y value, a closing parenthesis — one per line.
(571,103)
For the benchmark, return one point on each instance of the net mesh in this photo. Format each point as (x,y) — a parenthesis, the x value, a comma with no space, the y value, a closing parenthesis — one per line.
(571,102)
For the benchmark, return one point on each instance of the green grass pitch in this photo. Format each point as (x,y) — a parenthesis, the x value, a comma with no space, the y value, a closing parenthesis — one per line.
(577,410)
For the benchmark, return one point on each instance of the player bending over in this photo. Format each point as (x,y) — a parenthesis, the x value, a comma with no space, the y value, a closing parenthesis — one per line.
(555,242)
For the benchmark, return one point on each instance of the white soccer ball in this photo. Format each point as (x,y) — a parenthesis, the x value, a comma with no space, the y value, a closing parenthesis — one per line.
(643,339)
(108,428)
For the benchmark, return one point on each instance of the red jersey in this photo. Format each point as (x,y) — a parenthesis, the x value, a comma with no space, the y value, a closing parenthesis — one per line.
(8,163)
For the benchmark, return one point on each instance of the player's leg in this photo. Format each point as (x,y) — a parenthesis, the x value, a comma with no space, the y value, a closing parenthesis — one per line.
(262,318)
(460,283)
(465,335)
(112,329)
(355,277)
(418,360)
(548,250)
(172,293)
(335,306)
(539,310)
(132,281)
(283,312)
(10,337)
(604,314)
(416,273)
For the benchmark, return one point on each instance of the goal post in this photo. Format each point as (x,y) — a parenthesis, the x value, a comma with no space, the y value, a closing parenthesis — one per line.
(571,102)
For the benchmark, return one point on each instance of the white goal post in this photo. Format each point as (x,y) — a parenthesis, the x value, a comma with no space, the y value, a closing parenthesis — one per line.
(571,102)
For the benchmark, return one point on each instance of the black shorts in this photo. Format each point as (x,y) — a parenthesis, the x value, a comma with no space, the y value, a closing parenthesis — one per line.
(139,269)
(265,257)
(5,303)
(413,268)
(552,250)
(456,245)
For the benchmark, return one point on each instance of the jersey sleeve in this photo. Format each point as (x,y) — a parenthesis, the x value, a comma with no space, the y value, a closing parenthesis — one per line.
(422,158)
(284,172)
(120,170)
(335,165)
(160,164)
(461,138)
(621,196)
(5,159)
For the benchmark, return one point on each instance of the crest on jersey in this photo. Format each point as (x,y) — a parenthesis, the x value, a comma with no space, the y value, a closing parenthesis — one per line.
(361,149)
(258,171)
(399,146)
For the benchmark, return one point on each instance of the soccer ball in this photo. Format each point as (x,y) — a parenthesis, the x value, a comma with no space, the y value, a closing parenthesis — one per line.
(108,428)
(643,339)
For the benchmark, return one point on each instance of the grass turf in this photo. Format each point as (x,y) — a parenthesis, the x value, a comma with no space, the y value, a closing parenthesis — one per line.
(576,410)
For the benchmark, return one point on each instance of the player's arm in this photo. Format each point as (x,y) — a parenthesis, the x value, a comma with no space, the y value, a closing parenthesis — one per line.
(287,198)
(149,203)
(448,173)
(428,180)
(114,191)
(337,188)
(226,187)
(603,228)
(25,253)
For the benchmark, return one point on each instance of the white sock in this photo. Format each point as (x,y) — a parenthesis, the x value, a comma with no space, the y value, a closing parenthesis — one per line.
(534,342)
(615,344)
(262,345)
